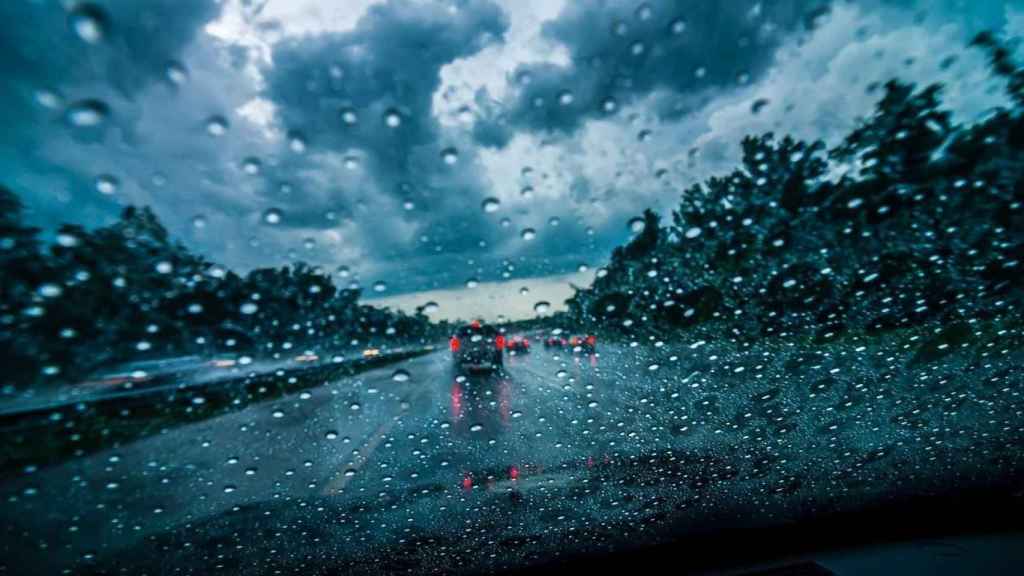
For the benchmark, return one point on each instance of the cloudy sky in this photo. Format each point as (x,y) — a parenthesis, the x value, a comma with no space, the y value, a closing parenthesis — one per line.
(428,144)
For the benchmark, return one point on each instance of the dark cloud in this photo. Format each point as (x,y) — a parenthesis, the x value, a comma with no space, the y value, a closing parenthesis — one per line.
(620,51)
(55,58)
(366,95)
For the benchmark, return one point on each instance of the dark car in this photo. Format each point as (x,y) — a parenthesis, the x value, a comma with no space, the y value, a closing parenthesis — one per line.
(478,346)
(518,345)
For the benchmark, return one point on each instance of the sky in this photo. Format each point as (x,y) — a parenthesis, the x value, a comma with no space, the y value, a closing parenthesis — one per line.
(450,151)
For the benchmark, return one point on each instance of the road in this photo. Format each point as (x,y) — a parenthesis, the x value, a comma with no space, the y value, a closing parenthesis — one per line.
(558,452)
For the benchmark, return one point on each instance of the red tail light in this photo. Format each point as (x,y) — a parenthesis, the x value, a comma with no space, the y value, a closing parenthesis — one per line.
(591,339)
(513,473)
(454,343)
(526,342)
(499,342)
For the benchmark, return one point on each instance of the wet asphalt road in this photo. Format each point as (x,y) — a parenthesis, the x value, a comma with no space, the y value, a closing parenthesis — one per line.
(556,453)
(437,431)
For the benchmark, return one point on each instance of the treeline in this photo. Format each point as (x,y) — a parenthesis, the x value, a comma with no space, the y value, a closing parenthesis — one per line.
(129,292)
(911,220)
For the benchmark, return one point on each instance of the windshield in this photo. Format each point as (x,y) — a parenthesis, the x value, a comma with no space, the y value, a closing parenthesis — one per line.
(473,286)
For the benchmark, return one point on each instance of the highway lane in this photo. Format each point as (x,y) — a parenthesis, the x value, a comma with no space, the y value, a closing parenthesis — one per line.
(557,452)
(362,435)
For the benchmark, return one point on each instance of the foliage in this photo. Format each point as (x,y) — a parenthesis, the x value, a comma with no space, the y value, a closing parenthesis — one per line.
(129,292)
(910,221)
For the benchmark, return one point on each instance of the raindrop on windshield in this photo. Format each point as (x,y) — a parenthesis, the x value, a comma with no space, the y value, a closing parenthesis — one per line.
(272,216)
(528,234)
(252,166)
(450,156)
(392,119)
(431,307)
(176,73)
(491,204)
(472,283)
(107,184)
(542,307)
(400,375)
(89,22)
(380,286)
(216,125)
(199,221)
(87,113)
(296,142)
(248,308)
(636,225)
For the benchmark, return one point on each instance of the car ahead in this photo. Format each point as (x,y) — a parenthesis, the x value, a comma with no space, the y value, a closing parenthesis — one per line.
(518,345)
(478,346)
(555,342)
(585,344)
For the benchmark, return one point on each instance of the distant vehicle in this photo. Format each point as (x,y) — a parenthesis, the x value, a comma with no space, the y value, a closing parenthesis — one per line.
(371,353)
(555,342)
(478,346)
(304,358)
(518,345)
(583,344)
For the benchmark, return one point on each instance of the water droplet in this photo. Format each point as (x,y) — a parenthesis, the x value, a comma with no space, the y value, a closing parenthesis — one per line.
(637,48)
(505,222)
(431,307)
(176,73)
(216,125)
(491,205)
(392,119)
(199,221)
(476,428)
(296,142)
(348,116)
(252,166)
(542,307)
(355,407)
(48,99)
(87,113)
(331,435)
(89,22)
(308,243)
(248,308)
(561,374)
(592,404)
(277,414)
(50,290)
(350,472)
(524,291)
(472,283)
(107,184)
(229,489)
(164,267)
(693,232)
(554,221)
(637,225)
(450,156)
(517,414)
(644,12)
(380,286)
(565,98)
(609,105)
(678,26)
(272,216)
(400,375)
(528,234)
